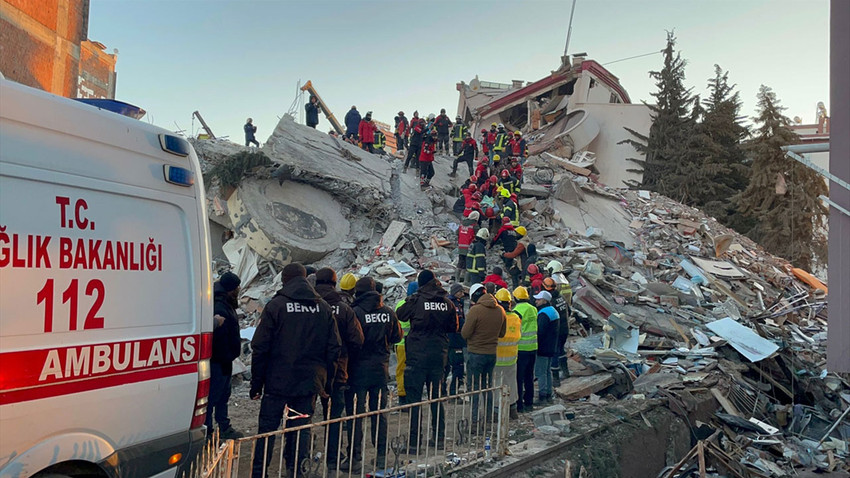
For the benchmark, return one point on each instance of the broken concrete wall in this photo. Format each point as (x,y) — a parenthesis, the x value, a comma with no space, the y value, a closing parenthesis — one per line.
(612,119)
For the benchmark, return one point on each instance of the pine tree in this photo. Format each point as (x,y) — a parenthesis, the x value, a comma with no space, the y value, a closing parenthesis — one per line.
(671,126)
(722,123)
(782,195)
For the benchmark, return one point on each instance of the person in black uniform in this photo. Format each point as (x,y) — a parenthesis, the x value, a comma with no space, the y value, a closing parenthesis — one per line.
(227,346)
(432,316)
(295,349)
(370,368)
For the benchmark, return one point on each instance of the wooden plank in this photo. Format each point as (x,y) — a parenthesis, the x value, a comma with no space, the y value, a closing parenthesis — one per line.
(575,388)
(391,235)
(680,330)
(724,402)
(701,456)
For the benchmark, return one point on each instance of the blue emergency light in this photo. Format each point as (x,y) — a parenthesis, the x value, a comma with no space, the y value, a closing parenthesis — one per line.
(179,176)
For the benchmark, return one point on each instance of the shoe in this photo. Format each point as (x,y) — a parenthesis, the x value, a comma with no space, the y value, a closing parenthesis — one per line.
(230,434)
(351,466)
(404,170)
(514,415)
(380,463)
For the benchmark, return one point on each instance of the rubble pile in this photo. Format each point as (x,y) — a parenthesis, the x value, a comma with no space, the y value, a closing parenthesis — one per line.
(668,304)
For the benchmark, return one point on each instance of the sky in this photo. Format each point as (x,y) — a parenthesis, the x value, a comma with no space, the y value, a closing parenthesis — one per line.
(235,59)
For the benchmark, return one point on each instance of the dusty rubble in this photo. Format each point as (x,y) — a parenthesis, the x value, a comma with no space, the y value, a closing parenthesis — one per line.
(669,304)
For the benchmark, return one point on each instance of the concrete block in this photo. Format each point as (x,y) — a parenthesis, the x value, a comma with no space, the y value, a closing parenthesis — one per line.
(549,415)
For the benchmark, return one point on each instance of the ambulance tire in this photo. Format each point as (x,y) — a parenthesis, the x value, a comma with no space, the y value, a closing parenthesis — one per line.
(51,475)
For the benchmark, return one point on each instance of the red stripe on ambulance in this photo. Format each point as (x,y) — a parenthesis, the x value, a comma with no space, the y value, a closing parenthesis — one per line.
(34,374)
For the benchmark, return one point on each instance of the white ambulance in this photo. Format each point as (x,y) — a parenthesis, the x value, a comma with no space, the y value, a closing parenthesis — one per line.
(105,292)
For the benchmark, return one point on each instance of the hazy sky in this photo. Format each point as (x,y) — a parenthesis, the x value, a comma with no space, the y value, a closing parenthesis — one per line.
(234,59)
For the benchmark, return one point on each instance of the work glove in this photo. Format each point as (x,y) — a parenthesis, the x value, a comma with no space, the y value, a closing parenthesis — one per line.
(256,392)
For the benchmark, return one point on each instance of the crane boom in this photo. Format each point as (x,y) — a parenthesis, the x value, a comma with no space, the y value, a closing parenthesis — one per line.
(203,124)
(308,87)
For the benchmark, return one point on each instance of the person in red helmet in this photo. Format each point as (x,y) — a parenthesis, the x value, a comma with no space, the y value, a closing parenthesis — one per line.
(426,160)
(492,187)
(519,147)
(485,145)
(516,170)
(482,170)
(534,278)
(508,181)
(465,235)
(503,230)
(417,131)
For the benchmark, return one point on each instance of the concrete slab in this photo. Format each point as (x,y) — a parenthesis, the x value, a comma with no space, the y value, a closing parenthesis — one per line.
(599,212)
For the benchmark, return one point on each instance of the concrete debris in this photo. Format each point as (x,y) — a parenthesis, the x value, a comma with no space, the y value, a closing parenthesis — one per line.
(651,278)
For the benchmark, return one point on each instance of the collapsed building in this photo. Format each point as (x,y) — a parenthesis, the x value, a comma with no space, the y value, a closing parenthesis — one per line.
(579,108)
(690,345)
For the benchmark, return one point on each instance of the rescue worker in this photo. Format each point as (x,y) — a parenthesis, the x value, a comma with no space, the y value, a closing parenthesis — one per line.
(295,349)
(426,160)
(346,286)
(506,236)
(459,133)
(508,183)
(519,147)
(491,139)
(457,345)
(484,326)
(429,125)
(485,145)
(432,317)
(476,260)
(400,349)
(443,124)
(514,259)
(506,351)
(510,209)
(465,236)
(533,278)
(547,339)
(250,131)
(417,131)
(500,143)
(402,131)
(351,334)
(562,296)
(312,108)
(226,347)
(468,153)
(380,142)
(370,369)
(496,278)
(366,132)
(352,123)
(527,350)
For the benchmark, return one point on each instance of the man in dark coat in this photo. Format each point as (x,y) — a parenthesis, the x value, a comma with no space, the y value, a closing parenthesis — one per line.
(443,124)
(227,346)
(250,130)
(312,111)
(457,345)
(295,349)
(351,334)
(432,317)
(352,123)
(417,133)
(370,368)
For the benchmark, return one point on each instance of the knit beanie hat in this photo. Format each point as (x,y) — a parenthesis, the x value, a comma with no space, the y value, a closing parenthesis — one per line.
(364,284)
(425,277)
(229,281)
(412,288)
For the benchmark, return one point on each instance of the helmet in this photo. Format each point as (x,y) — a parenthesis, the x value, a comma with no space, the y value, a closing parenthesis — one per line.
(554,266)
(513,197)
(473,187)
(492,125)
(473,216)
(475,205)
(501,126)
(505,174)
(473,179)
(521,230)
(483,233)
(496,158)
(533,269)
(467,135)
(517,133)
(490,212)
(348,281)
(549,283)
(502,295)
(494,179)
(521,293)
(476,196)
(431,116)
(506,220)
(483,130)
(458,118)
(505,193)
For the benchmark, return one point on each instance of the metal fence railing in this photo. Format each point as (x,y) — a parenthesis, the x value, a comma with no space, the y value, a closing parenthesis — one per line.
(454,432)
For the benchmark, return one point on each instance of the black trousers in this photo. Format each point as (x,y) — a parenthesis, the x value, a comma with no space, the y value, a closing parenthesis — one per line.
(425,372)
(455,365)
(339,403)
(367,147)
(371,388)
(443,142)
(426,170)
(413,155)
(525,378)
(462,159)
(271,415)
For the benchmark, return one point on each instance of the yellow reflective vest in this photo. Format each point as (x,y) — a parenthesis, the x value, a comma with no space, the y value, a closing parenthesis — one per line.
(506,351)
(528,340)
(380,140)
(405,326)
(501,142)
